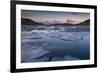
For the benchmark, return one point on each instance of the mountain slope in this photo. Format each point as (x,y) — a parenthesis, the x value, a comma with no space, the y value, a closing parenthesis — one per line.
(87,22)
(26,21)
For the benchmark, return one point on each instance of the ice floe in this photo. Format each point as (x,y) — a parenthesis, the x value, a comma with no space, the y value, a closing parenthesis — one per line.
(36,44)
(33,54)
(70,58)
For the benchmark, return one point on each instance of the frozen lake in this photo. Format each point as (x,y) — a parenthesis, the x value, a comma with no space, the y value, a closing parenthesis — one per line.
(41,43)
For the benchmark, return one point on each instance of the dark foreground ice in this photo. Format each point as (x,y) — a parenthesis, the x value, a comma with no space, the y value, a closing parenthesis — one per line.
(54,43)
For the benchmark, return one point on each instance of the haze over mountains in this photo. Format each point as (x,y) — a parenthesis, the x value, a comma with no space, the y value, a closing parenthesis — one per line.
(26,21)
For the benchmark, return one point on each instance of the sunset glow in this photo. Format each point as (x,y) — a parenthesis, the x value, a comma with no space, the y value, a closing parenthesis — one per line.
(61,17)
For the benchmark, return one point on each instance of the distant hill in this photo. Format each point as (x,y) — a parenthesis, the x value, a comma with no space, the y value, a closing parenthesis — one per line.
(26,21)
(84,23)
(87,22)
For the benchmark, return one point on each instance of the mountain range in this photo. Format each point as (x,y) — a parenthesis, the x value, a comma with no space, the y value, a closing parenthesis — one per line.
(26,21)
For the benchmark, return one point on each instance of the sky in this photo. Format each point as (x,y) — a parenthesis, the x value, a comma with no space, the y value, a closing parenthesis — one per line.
(41,16)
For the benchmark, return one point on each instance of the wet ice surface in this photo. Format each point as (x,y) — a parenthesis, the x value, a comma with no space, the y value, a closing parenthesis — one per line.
(55,44)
